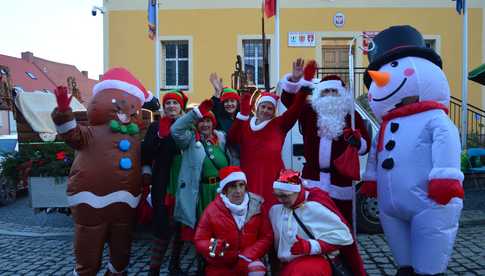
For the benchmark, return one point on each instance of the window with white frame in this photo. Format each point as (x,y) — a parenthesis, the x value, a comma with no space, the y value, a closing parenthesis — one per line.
(430,43)
(253,60)
(175,57)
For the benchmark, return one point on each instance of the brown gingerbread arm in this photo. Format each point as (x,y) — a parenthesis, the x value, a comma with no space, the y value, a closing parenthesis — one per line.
(74,135)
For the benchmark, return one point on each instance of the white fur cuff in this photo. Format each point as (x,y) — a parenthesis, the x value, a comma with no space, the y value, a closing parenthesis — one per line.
(197,112)
(61,129)
(314,247)
(286,187)
(446,173)
(242,117)
(293,87)
(146,170)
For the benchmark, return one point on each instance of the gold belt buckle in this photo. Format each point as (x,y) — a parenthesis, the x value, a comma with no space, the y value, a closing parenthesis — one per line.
(212,180)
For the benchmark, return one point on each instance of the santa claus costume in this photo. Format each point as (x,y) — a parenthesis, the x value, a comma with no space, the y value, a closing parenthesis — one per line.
(308,230)
(260,144)
(105,178)
(231,237)
(414,166)
(325,125)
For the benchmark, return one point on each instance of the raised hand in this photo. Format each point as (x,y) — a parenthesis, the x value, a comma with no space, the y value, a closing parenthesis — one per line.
(63,100)
(245,107)
(297,72)
(310,70)
(217,84)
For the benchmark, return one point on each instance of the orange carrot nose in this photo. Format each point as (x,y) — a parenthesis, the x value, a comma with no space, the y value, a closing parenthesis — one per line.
(380,78)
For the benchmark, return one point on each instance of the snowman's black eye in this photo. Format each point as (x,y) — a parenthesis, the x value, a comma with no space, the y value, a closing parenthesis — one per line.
(394,64)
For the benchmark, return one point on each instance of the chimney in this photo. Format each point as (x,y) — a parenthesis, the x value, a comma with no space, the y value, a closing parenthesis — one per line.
(28,56)
(85,73)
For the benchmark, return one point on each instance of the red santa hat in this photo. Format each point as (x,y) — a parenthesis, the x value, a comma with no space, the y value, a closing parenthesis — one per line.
(230,174)
(289,181)
(331,81)
(121,79)
(211,116)
(267,97)
(229,94)
(177,95)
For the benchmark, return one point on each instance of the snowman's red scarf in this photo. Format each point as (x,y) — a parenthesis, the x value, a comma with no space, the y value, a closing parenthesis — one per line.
(406,110)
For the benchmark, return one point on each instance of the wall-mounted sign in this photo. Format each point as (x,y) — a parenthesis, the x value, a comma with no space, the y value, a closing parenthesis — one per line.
(301,39)
(339,20)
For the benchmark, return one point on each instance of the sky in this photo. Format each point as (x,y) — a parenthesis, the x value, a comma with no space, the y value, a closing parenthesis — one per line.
(58,30)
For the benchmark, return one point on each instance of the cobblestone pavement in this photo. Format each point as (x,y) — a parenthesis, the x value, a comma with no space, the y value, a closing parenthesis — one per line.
(53,255)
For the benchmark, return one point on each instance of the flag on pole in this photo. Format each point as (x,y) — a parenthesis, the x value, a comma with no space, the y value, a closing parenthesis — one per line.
(269,8)
(459,5)
(152,22)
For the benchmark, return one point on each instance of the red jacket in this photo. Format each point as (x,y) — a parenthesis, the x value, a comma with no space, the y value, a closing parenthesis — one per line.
(252,241)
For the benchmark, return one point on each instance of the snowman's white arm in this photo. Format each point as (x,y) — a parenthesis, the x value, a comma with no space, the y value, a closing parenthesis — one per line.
(446,149)
(371,167)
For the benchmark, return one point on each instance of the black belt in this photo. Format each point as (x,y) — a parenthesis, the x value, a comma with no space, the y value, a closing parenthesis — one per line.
(326,170)
(211,180)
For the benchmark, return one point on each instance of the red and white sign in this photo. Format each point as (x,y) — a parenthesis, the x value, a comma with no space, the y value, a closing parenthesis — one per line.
(301,39)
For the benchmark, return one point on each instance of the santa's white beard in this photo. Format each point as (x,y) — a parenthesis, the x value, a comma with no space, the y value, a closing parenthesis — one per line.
(331,111)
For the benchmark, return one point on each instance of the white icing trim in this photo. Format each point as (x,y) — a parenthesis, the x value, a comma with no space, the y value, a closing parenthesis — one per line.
(66,127)
(242,117)
(446,173)
(120,85)
(256,127)
(234,176)
(286,186)
(146,170)
(363,146)
(103,201)
(197,112)
(314,247)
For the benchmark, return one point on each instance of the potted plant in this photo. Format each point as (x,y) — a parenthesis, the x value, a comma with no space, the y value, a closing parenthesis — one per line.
(45,167)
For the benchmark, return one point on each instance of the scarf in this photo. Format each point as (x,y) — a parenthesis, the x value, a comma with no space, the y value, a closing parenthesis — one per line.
(238,212)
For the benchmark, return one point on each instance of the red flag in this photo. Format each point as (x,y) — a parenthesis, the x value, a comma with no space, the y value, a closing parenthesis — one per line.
(269,8)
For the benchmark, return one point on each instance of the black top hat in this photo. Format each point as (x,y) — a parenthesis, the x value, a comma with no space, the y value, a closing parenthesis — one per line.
(397,42)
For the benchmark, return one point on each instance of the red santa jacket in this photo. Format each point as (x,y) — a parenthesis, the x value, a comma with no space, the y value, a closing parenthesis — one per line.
(252,241)
(311,142)
(350,252)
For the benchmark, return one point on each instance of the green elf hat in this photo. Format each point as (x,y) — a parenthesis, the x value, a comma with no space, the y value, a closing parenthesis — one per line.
(229,94)
(177,95)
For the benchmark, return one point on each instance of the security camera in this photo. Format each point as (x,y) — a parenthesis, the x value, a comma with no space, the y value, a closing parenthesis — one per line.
(95,9)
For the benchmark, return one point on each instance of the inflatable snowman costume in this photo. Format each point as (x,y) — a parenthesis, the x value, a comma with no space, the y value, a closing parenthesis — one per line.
(414,163)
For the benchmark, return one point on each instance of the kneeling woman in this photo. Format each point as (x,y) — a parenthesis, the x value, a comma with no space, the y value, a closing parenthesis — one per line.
(233,234)
(307,225)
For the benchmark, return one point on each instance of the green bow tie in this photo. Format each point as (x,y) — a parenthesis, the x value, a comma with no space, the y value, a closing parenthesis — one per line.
(130,129)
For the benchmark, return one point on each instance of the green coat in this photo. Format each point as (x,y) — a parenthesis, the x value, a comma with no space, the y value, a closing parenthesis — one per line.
(193,155)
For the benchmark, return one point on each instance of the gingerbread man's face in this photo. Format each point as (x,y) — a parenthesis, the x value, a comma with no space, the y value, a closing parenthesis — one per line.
(113,104)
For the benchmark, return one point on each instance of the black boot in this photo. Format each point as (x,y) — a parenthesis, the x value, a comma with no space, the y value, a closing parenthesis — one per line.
(405,271)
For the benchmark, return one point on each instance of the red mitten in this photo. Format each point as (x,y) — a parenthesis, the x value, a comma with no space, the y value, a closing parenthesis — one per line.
(443,190)
(63,100)
(368,189)
(164,127)
(301,247)
(144,211)
(242,267)
(245,108)
(205,107)
(310,70)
